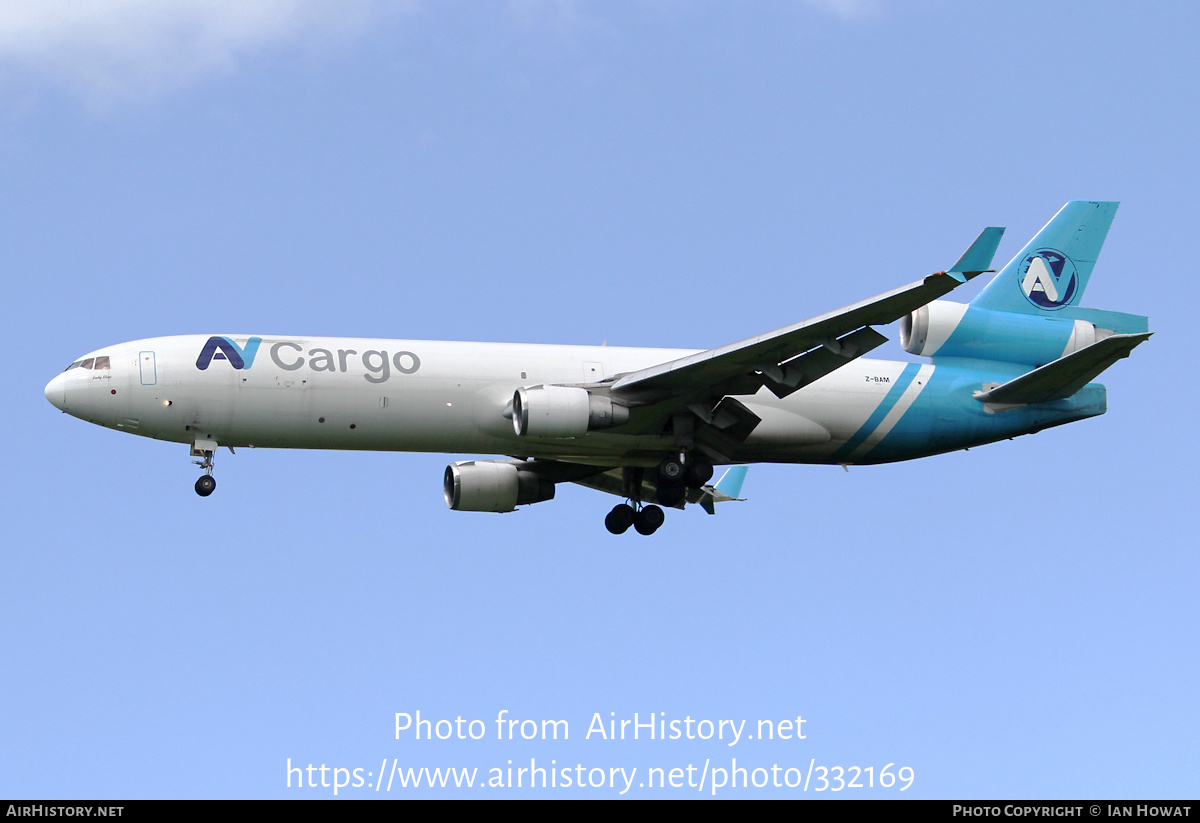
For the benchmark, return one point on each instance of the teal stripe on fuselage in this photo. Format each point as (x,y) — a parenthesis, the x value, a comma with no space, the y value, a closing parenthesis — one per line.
(950,418)
(881,411)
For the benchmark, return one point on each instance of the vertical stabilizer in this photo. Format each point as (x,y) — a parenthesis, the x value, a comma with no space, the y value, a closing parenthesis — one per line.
(1052,271)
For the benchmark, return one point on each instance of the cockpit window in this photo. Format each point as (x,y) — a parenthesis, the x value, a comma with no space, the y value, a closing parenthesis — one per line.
(101,363)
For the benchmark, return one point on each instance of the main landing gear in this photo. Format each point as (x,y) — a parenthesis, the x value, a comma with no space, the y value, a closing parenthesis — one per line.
(672,478)
(645,520)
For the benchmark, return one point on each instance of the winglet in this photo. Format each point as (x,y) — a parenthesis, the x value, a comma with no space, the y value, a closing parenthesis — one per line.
(727,488)
(978,258)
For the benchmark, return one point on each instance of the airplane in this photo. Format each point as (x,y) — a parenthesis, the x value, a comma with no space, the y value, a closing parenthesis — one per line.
(650,425)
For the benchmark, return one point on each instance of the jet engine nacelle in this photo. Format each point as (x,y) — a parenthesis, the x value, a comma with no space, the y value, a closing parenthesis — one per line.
(493,486)
(563,411)
(947,329)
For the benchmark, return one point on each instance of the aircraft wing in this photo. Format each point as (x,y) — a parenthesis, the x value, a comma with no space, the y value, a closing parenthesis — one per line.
(790,358)
(611,482)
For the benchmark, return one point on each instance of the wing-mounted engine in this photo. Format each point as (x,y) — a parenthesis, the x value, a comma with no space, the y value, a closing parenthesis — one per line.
(493,486)
(946,329)
(564,411)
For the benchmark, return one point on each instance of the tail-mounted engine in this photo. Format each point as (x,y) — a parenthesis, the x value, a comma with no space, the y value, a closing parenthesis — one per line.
(493,486)
(946,329)
(563,411)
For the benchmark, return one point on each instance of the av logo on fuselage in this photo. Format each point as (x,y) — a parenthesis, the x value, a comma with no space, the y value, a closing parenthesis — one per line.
(223,348)
(1048,278)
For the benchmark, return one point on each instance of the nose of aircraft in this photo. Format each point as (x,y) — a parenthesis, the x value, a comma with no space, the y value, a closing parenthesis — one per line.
(56,392)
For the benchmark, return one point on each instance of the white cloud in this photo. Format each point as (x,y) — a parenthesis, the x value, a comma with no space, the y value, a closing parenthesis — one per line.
(108,50)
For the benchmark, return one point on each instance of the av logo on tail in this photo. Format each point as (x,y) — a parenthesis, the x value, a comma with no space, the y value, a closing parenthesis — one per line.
(223,348)
(1048,279)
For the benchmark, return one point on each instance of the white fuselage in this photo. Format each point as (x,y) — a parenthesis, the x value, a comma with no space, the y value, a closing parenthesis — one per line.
(407,395)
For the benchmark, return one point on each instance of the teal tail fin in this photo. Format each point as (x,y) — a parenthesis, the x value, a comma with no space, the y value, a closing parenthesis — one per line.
(1052,271)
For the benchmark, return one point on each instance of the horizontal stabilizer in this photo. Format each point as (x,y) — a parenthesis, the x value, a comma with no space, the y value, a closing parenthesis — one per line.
(730,483)
(727,489)
(1116,322)
(1064,376)
(978,258)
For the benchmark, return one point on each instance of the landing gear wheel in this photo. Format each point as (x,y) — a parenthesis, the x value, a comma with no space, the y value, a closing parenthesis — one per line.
(670,494)
(670,470)
(699,472)
(206,485)
(620,519)
(648,520)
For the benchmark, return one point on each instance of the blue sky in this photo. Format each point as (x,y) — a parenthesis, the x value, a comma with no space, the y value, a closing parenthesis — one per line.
(1015,621)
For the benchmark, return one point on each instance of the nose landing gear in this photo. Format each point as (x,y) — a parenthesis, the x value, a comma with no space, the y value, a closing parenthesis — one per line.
(206,450)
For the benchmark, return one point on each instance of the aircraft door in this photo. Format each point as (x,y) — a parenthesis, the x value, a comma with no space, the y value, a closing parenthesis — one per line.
(148,368)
